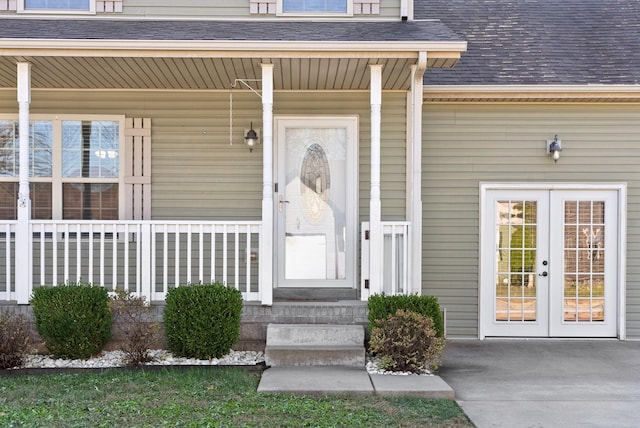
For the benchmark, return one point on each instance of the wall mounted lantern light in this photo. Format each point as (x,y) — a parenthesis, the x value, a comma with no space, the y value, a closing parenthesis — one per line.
(554,147)
(251,139)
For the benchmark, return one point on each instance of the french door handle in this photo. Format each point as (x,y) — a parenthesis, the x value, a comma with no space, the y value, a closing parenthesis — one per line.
(543,273)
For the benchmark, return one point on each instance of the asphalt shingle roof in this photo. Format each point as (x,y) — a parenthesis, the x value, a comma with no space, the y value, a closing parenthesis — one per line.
(267,30)
(529,42)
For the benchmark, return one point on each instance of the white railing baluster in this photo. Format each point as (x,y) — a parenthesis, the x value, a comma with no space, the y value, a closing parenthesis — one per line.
(8,261)
(236,262)
(247,254)
(102,254)
(114,261)
(54,243)
(165,257)
(201,253)
(65,253)
(42,259)
(189,254)
(90,273)
(225,255)
(177,257)
(126,257)
(213,253)
(78,252)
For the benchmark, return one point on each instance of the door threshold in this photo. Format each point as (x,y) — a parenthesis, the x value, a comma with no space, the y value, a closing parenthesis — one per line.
(301,294)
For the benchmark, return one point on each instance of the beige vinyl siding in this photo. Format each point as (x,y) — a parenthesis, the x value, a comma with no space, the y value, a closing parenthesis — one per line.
(198,175)
(468,144)
(223,9)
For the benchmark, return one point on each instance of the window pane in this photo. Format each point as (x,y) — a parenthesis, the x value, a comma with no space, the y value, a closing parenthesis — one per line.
(334,6)
(40,194)
(90,149)
(57,4)
(8,148)
(40,143)
(90,201)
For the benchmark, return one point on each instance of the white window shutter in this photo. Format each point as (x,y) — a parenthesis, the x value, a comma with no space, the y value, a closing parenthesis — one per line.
(137,170)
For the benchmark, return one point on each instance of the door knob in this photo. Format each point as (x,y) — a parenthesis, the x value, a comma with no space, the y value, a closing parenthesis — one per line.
(543,273)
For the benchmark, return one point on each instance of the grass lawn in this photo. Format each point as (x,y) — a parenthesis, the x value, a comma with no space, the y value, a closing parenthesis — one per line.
(199,397)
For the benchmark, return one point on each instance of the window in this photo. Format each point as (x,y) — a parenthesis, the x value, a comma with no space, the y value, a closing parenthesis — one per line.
(66,6)
(316,7)
(85,184)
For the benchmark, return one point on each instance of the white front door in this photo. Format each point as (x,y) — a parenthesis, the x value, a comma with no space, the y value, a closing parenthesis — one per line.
(316,206)
(550,260)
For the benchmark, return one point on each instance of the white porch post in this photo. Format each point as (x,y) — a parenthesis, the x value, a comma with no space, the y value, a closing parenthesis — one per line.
(376,240)
(23,237)
(266,232)
(414,178)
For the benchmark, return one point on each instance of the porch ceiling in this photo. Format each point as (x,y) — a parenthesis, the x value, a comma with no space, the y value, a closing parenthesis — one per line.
(176,72)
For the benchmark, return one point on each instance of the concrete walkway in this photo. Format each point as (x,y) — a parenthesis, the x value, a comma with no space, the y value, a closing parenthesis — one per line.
(545,383)
(323,380)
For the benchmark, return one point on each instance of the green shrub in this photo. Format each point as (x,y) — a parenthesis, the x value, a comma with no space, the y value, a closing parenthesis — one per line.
(407,341)
(73,319)
(202,321)
(382,305)
(131,322)
(15,336)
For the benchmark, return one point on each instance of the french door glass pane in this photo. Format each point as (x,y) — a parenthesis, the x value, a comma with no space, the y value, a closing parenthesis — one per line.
(584,256)
(516,229)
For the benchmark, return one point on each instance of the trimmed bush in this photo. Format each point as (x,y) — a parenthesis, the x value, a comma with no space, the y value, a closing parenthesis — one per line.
(73,319)
(15,336)
(407,341)
(202,321)
(382,305)
(131,320)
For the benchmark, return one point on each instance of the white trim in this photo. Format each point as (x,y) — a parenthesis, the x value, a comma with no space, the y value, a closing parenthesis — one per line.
(349,12)
(90,11)
(621,188)
(214,49)
(529,92)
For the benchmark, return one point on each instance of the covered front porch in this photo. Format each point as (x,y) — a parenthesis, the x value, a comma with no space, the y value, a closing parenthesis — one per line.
(179,220)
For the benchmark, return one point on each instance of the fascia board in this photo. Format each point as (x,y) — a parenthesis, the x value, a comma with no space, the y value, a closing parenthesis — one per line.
(54,47)
(515,92)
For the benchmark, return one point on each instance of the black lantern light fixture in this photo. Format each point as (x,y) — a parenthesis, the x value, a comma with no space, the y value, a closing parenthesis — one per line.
(554,147)
(251,139)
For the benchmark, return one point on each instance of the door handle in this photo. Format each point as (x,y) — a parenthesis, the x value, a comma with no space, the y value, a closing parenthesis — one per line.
(281,203)
(543,273)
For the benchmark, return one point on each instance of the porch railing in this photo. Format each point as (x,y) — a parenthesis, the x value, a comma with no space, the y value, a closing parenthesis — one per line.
(395,258)
(144,257)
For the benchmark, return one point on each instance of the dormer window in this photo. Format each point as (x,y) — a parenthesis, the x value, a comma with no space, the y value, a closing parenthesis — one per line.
(52,6)
(315,7)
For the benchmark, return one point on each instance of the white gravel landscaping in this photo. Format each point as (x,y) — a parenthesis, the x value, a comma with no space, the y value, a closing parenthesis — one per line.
(161,357)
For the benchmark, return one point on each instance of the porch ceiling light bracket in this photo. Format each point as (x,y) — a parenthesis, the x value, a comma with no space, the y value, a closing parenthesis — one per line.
(251,139)
(554,147)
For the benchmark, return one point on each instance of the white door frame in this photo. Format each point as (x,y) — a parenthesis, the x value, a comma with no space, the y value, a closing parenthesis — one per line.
(485,258)
(350,122)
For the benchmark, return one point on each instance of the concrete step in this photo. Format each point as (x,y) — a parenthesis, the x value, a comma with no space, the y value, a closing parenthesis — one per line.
(315,345)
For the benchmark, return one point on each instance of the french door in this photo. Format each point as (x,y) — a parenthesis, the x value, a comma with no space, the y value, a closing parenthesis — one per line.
(316,206)
(550,261)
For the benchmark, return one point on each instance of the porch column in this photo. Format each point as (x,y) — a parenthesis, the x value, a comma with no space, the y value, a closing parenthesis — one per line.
(266,232)
(376,239)
(414,171)
(23,237)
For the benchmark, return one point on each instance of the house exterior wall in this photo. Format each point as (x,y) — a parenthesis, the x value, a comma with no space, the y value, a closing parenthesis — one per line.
(466,144)
(198,175)
(202,9)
